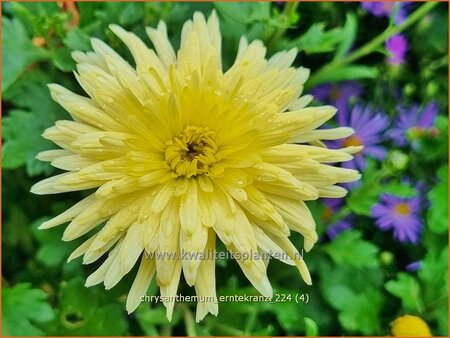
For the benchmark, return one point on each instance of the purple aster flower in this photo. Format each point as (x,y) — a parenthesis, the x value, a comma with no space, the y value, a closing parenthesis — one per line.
(399,214)
(332,206)
(396,46)
(385,9)
(414,266)
(413,122)
(368,127)
(337,95)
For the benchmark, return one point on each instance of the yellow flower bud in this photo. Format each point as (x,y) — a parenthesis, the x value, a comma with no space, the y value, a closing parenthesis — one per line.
(410,326)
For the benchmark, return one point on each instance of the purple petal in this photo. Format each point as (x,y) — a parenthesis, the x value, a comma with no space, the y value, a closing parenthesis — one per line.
(428,115)
(376,152)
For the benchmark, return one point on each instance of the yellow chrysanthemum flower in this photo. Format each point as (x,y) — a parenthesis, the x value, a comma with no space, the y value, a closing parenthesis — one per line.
(180,152)
(410,326)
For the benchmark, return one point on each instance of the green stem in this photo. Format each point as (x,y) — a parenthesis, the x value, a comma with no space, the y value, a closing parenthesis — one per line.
(373,44)
(251,321)
(229,330)
(189,321)
(438,63)
(288,10)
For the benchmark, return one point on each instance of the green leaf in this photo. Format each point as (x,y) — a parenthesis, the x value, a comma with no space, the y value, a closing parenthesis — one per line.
(433,275)
(349,290)
(22,133)
(312,329)
(52,251)
(433,272)
(362,198)
(289,314)
(434,146)
(244,12)
(63,60)
(408,290)
(18,51)
(399,189)
(149,318)
(76,39)
(348,36)
(362,312)
(437,216)
(345,73)
(23,308)
(83,312)
(22,129)
(317,40)
(349,248)
(131,14)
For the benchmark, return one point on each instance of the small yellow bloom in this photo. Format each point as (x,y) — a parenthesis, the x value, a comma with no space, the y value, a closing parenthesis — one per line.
(180,152)
(410,326)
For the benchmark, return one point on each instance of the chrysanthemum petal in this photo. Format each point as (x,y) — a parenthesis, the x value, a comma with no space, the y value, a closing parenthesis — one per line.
(98,276)
(169,291)
(130,250)
(205,284)
(254,269)
(80,251)
(162,44)
(141,283)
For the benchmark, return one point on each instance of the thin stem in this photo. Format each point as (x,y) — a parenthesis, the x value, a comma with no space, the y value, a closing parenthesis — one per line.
(251,321)
(230,330)
(373,44)
(189,321)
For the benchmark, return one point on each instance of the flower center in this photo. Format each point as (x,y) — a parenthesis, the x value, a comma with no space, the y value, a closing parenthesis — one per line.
(352,141)
(335,93)
(327,214)
(416,132)
(192,152)
(402,209)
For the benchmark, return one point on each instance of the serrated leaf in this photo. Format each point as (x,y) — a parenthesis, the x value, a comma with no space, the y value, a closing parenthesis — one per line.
(349,248)
(22,128)
(362,313)
(433,270)
(342,286)
(63,60)
(52,250)
(23,308)
(76,39)
(437,216)
(408,290)
(317,40)
(17,51)
(22,133)
(244,12)
(83,312)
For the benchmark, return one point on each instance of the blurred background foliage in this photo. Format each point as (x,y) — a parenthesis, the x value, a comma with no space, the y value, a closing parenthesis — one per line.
(360,278)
